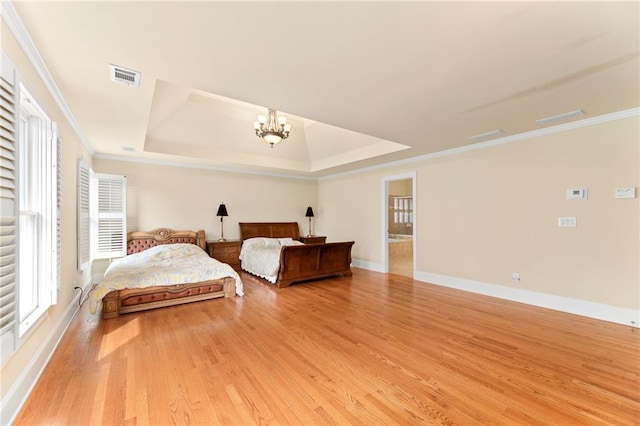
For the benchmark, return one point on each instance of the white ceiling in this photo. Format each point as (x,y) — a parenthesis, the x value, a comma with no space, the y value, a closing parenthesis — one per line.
(363,83)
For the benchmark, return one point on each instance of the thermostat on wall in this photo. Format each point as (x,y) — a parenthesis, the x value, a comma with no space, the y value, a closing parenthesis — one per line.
(577,194)
(628,192)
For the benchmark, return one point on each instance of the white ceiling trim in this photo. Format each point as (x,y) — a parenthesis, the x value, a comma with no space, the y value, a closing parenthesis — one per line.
(24,40)
(592,121)
(199,166)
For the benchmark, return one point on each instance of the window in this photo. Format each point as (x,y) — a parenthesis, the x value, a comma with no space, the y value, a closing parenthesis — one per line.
(84,212)
(402,209)
(8,211)
(30,202)
(401,215)
(37,201)
(102,216)
(110,216)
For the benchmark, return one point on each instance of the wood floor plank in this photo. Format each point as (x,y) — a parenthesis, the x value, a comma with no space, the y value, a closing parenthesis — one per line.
(368,349)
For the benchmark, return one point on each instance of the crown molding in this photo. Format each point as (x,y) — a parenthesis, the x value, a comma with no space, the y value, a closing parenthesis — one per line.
(592,121)
(17,28)
(187,165)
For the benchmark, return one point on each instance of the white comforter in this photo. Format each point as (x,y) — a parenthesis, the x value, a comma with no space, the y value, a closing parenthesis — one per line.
(261,256)
(162,265)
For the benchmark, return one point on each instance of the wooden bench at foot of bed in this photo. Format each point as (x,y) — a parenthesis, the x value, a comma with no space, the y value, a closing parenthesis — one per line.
(140,299)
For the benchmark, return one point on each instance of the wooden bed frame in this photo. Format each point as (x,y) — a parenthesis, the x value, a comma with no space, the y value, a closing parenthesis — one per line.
(305,262)
(140,299)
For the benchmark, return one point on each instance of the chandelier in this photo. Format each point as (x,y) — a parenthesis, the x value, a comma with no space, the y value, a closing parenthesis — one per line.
(272,129)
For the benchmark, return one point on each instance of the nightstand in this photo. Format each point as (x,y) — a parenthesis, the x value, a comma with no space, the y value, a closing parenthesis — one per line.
(314,240)
(225,252)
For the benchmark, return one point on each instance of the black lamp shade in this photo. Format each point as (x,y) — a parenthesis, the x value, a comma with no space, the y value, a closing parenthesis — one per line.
(222,210)
(309,212)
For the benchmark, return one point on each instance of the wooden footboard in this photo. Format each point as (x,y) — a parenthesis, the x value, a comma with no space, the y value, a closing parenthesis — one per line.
(310,261)
(141,299)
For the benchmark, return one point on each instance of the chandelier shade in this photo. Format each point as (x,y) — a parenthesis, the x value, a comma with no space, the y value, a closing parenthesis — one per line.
(272,128)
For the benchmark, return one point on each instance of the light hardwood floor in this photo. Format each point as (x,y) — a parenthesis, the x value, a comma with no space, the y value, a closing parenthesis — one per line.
(373,349)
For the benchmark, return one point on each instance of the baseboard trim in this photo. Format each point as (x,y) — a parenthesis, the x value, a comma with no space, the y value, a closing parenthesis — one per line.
(17,395)
(370,266)
(583,308)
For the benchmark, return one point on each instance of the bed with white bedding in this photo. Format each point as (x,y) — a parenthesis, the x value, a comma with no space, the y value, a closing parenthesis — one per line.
(164,268)
(261,256)
(296,262)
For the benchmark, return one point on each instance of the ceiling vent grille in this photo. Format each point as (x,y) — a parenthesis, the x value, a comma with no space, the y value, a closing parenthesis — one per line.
(124,75)
(560,117)
(488,135)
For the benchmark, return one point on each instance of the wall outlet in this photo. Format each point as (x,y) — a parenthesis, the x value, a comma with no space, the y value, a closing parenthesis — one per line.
(515,276)
(567,222)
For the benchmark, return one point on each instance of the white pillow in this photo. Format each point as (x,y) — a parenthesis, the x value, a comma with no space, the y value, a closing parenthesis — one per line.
(285,241)
(261,242)
(289,242)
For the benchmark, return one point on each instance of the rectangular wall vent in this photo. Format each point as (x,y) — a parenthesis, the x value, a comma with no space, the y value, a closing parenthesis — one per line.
(124,75)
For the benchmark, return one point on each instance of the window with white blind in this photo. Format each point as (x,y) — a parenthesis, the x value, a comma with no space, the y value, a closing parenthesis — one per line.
(84,213)
(37,203)
(8,211)
(30,203)
(59,181)
(402,208)
(110,215)
(102,216)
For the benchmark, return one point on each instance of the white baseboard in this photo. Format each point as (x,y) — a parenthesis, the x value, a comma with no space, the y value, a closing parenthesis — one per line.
(17,395)
(370,266)
(583,308)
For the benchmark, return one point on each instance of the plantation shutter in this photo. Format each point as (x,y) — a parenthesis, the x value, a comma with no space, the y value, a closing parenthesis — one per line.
(111,217)
(84,218)
(58,211)
(8,210)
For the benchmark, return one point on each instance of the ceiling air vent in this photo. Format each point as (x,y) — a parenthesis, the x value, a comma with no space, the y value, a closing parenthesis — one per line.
(488,135)
(560,117)
(124,75)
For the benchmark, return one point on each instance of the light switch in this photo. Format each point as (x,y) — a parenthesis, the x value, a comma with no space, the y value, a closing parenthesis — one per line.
(628,192)
(577,194)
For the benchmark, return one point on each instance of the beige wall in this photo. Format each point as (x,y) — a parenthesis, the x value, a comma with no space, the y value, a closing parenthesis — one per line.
(183,198)
(484,214)
(73,149)
(400,187)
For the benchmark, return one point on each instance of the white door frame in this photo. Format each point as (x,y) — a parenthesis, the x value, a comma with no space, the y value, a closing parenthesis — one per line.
(385,217)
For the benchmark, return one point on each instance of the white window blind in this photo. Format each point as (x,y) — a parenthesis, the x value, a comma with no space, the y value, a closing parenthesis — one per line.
(84,212)
(58,247)
(111,216)
(8,211)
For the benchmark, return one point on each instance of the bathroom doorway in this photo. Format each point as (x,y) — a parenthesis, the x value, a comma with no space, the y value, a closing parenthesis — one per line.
(400,224)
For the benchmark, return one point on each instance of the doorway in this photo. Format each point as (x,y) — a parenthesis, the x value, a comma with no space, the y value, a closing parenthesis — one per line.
(400,224)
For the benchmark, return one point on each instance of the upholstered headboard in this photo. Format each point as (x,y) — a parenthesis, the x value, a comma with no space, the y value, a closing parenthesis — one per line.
(269,230)
(138,241)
